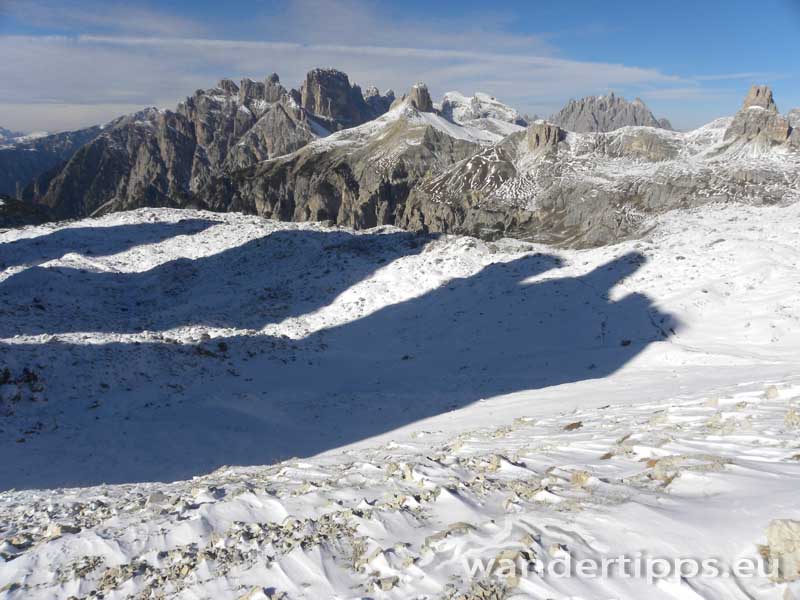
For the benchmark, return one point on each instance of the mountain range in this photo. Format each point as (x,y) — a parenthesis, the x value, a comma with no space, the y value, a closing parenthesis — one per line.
(593,173)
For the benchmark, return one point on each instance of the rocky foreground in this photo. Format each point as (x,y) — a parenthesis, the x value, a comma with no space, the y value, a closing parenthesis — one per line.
(451,400)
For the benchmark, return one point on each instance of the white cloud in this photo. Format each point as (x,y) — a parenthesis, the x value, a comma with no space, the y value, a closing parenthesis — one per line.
(108,15)
(143,62)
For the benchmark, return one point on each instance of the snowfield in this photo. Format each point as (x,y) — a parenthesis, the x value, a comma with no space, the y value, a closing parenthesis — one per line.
(198,405)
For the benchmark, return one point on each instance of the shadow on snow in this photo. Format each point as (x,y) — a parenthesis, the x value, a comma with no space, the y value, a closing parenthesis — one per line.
(172,411)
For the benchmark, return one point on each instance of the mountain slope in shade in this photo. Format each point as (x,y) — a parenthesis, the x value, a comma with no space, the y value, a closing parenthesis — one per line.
(604,114)
(26,158)
(7,136)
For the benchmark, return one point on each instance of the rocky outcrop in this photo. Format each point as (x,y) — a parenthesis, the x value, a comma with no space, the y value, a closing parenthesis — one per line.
(759,120)
(418,97)
(638,143)
(269,90)
(604,113)
(543,137)
(783,550)
(793,116)
(328,94)
(760,96)
(25,161)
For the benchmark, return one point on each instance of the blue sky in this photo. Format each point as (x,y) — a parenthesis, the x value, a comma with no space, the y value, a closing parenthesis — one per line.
(69,63)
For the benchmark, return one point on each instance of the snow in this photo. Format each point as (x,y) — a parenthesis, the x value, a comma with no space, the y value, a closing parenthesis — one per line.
(450,399)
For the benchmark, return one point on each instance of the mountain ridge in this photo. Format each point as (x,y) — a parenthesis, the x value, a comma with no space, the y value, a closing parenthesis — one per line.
(604,114)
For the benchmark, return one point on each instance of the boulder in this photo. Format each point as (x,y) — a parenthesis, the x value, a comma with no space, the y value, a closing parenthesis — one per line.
(783,550)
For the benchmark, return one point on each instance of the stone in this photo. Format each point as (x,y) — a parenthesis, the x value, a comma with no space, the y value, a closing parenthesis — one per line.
(783,550)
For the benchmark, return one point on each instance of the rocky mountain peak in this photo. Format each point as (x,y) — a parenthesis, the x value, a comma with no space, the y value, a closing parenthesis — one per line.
(6,134)
(766,127)
(269,90)
(760,96)
(378,103)
(328,93)
(228,86)
(543,137)
(603,114)
(459,108)
(419,97)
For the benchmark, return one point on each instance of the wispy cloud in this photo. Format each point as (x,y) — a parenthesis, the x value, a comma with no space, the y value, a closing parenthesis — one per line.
(109,15)
(115,55)
(753,76)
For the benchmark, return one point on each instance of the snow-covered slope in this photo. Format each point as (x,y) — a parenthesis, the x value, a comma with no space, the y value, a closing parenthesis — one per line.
(482,111)
(452,400)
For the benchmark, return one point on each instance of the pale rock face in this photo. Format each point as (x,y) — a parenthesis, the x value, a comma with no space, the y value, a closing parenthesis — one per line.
(544,137)
(783,545)
(417,97)
(793,116)
(760,96)
(420,98)
(329,94)
(759,120)
(605,113)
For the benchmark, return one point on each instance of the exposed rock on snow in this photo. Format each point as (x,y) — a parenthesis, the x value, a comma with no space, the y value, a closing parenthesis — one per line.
(544,137)
(783,548)
(418,97)
(759,120)
(760,96)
